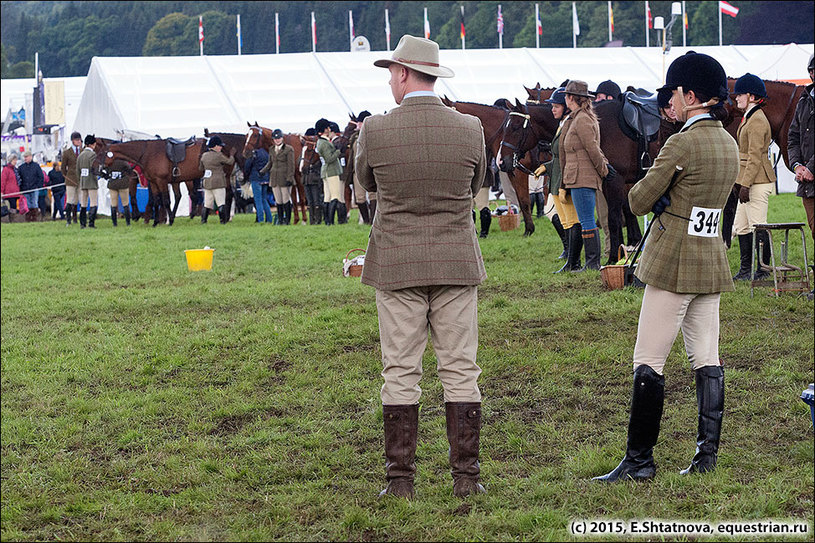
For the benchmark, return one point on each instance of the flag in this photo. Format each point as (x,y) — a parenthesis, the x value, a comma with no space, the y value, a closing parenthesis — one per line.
(313,33)
(610,17)
(426,25)
(463,32)
(685,19)
(277,32)
(538,24)
(728,9)
(201,29)
(575,22)
(351,23)
(500,21)
(240,38)
(387,30)
(648,13)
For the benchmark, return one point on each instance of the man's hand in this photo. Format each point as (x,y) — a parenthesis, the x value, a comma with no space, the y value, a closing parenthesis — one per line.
(744,195)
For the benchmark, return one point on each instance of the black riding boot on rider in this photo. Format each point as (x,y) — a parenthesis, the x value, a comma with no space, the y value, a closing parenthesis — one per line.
(486,221)
(574,248)
(745,256)
(562,233)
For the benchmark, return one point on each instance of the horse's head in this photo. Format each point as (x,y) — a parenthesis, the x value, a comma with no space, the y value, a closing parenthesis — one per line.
(254,140)
(515,137)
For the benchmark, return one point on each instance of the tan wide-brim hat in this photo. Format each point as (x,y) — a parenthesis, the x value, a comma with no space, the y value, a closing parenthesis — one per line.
(417,54)
(578,88)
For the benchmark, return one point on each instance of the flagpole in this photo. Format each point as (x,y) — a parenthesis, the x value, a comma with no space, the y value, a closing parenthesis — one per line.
(684,26)
(276,34)
(351,25)
(239,34)
(313,34)
(537,19)
(647,37)
(610,16)
(720,22)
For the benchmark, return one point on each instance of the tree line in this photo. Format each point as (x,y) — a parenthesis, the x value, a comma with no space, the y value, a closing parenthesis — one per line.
(68,34)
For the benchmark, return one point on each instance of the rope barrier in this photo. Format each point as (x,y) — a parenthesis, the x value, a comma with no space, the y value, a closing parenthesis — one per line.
(14,194)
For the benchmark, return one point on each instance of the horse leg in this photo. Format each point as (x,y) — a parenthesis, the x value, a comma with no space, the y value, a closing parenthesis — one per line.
(632,225)
(614,191)
(520,183)
(135,214)
(177,194)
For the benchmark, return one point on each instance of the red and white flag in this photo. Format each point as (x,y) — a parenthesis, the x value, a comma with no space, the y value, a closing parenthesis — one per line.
(728,9)
(500,21)
(387,30)
(648,13)
(426,25)
(313,33)
(200,29)
(538,25)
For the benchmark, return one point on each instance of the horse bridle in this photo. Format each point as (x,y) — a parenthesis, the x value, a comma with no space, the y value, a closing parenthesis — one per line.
(516,162)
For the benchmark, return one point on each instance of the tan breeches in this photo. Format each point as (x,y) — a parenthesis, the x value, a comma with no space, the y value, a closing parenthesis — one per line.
(124,194)
(749,214)
(566,212)
(85,194)
(509,190)
(663,314)
(450,313)
(360,193)
(332,189)
(282,195)
(214,196)
(71,195)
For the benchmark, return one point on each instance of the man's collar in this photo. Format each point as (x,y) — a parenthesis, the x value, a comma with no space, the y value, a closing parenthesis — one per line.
(419,93)
(695,118)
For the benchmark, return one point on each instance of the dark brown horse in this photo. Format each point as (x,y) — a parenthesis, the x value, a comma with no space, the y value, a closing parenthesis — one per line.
(151,156)
(493,119)
(260,137)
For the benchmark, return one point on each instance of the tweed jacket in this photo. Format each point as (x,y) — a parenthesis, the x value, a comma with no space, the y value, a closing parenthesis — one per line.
(754,136)
(119,180)
(281,166)
(84,170)
(214,162)
(330,156)
(801,140)
(426,162)
(69,166)
(673,259)
(582,162)
(553,166)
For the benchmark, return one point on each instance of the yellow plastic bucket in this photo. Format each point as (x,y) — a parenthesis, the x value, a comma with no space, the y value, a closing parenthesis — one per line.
(199,259)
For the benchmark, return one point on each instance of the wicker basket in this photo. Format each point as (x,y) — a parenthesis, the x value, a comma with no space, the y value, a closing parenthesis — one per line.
(613,276)
(509,221)
(352,267)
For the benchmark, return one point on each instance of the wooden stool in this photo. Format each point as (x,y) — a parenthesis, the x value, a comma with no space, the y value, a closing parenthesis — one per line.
(793,278)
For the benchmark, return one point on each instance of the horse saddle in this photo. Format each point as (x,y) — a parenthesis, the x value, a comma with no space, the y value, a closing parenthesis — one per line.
(640,121)
(177,149)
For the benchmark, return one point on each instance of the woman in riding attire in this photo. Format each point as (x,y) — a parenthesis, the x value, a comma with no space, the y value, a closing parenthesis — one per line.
(215,181)
(119,175)
(310,166)
(756,175)
(563,200)
(281,175)
(584,165)
(684,264)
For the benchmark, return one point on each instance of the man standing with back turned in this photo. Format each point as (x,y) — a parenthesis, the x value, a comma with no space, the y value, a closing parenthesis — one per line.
(425,161)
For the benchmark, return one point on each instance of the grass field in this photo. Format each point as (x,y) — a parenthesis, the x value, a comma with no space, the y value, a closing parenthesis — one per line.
(141,401)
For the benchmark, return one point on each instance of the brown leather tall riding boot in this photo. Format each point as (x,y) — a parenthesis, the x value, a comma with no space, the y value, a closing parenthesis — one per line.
(463,433)
(401,431)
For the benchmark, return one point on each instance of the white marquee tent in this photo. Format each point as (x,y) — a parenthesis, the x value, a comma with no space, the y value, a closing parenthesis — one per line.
(180,96)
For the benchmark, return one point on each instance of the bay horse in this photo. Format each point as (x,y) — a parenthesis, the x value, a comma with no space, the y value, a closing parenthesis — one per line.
(151,156)
(493,119)
(260,137)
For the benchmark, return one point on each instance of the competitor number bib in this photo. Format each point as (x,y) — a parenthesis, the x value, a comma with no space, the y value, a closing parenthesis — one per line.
(207,174)
(704,222)
(84,172)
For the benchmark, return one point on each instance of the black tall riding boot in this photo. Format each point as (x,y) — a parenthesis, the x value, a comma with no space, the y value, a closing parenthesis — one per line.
(342,213)
(363,212)
(83,217)
(127,215)
(76,211)
(401,432)
(330,211)
(463,434)
(647,399)
(68,211)
(204,215)
(486,221)
(113,216)
(574,245)
(763,255)
(745,253)
(710,400)
(591,243)
(222,214)
(318,213)
(562,233)
(92,216)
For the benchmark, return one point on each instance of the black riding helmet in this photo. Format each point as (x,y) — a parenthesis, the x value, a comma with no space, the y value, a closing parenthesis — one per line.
(90,139)
(697,72)
(214,141)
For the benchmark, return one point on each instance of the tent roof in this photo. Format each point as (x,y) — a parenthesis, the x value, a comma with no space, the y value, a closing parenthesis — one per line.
(180,96)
